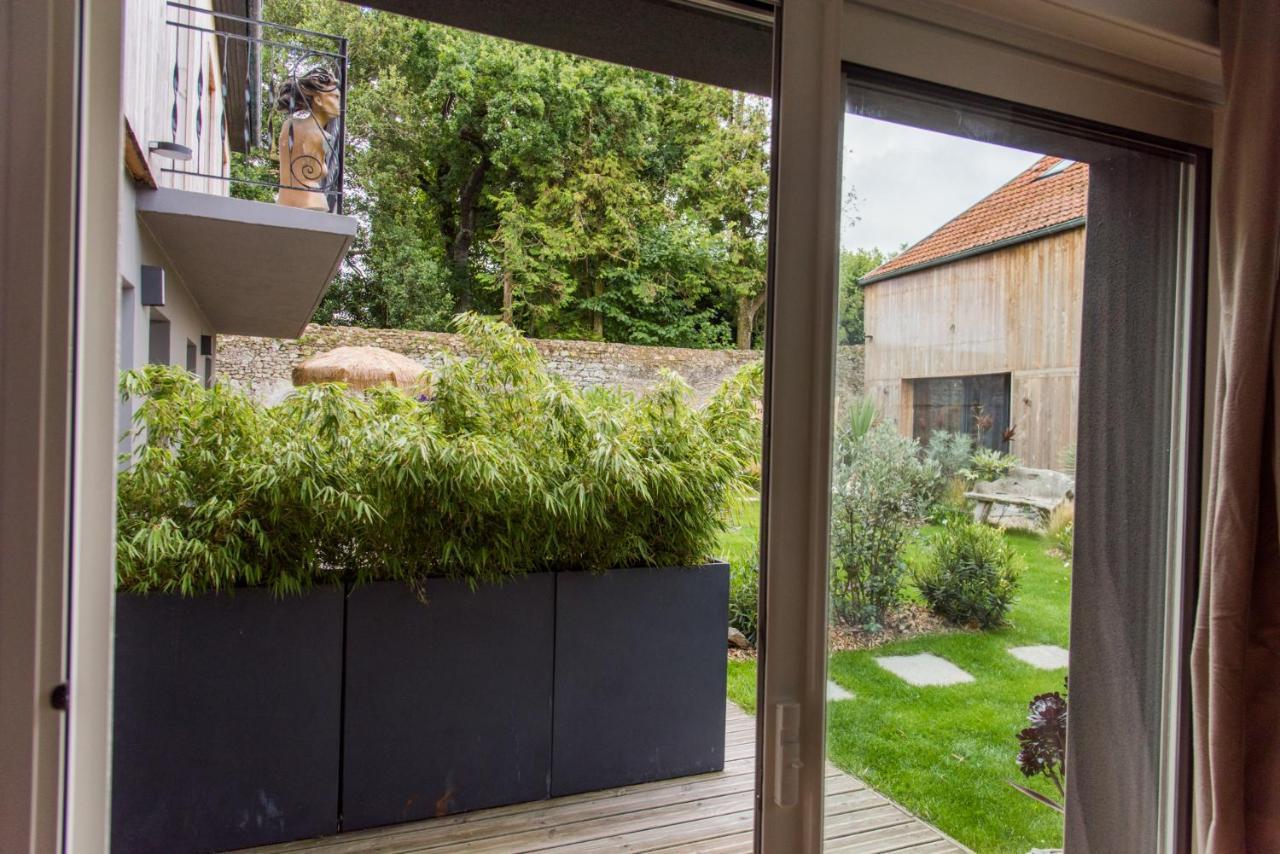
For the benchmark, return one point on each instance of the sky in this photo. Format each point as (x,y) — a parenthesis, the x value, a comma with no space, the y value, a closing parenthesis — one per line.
(908,181)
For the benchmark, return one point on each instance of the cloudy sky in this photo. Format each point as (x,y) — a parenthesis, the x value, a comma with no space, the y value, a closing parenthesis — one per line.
(908,181)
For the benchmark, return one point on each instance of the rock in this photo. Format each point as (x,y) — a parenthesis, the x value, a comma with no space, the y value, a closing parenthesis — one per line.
(738,640)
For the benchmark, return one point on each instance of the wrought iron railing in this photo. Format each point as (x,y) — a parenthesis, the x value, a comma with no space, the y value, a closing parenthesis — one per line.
(269,74)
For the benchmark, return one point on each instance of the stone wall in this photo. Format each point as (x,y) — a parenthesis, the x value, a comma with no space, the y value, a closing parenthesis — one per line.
(263,366)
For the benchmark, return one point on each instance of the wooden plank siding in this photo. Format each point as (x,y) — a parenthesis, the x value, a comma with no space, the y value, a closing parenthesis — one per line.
(1015,310)
(148,95)
(707,813)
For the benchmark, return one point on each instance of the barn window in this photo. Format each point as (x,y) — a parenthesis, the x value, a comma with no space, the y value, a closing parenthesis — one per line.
(976,405)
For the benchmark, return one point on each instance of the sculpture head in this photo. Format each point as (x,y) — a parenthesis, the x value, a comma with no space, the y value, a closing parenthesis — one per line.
(315,91)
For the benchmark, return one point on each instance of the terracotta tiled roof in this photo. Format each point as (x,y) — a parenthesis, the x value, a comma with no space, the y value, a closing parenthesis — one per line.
(1025,205)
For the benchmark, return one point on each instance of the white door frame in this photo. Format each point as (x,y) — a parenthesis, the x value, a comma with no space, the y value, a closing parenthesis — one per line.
(59,190)
(37,247)
(1083,58)
(800,358)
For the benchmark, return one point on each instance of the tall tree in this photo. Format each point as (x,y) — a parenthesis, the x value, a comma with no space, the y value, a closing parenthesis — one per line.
(572,197)
(854,264)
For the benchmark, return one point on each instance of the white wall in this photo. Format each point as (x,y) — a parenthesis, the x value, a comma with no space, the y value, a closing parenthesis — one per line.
(187,321)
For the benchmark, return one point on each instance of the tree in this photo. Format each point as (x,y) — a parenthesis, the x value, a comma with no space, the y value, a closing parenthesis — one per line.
(854,264)
(572,197)
(726,181)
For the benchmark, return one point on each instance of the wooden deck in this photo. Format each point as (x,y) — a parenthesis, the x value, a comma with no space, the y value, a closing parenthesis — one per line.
(706,813)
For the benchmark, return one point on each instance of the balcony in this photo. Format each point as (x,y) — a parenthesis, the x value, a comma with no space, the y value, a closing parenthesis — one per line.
(243,123)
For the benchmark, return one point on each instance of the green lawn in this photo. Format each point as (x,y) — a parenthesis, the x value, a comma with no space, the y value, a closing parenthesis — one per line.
(946,753)
(741,539)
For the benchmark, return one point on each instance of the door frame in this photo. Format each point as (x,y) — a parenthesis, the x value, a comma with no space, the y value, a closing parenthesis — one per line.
(799,360)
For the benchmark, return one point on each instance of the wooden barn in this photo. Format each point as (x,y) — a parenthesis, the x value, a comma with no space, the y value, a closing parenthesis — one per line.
(976,328)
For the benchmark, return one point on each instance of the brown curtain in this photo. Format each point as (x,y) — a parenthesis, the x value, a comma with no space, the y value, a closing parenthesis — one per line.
(1236,650)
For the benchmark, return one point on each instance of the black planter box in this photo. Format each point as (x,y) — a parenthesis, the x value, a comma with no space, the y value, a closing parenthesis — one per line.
(448,703)
(639,676)
(227,720)
(245,720)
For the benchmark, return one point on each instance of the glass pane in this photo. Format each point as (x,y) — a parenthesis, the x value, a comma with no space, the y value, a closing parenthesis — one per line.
(980,356)
(464,558)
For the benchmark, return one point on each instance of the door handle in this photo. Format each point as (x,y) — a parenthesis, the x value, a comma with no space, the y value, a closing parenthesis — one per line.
(786,754)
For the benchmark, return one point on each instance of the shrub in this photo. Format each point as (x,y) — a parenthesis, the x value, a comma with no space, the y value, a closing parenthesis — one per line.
(744,596)
(987,464)
(861,416)
(1042,746)
(951,506)
(951,451)
(881,488)
(505,470)
(1061,528)
(971,576)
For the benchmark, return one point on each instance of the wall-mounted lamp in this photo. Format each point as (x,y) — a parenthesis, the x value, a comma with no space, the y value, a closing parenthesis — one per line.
(170,150)
(152,285)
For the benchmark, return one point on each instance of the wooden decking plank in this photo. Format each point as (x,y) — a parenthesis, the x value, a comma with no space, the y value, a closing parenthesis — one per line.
(705,814)
(937,846)
(847,794)
(885,839)
(603,808)
(737,843)
(587,831)
(682,836)
(342,842)
(877,817)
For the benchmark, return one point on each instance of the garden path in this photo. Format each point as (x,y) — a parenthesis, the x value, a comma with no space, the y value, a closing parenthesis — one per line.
(706,813)
(1042,656)
(924,668)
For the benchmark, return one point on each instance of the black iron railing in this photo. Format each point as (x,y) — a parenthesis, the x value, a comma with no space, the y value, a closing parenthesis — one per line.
(267,74)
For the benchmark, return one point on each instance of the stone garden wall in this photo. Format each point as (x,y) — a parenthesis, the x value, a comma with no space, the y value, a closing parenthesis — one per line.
(263,366)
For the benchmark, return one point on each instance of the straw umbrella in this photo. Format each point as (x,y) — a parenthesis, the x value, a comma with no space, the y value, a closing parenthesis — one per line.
(359,367)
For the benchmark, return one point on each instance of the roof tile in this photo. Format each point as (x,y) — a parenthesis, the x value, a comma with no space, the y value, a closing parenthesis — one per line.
(1026,204)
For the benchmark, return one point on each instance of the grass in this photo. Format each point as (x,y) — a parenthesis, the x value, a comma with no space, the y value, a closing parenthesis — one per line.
(741,539)
(947,753)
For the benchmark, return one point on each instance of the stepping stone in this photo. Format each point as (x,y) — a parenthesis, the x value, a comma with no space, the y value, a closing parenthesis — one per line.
(836,693)
(1044,656)
(924,669)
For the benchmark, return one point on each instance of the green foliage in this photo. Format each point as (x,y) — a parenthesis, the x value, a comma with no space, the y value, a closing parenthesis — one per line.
(971,576)
(1067,460)
(744,597)
(253,168)
(946,754)
(860,417)
(578,198)
(506,469)
(986,465)
(854,264)
(880,489)
(1060,530)
(951,451)
(224,493)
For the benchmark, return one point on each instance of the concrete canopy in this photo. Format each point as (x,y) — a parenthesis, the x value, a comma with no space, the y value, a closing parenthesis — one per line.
(255,268)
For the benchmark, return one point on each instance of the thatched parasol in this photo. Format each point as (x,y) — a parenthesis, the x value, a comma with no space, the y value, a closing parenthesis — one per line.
(359,368)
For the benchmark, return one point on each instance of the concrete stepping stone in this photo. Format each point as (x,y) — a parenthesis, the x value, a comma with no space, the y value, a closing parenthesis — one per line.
(836,693)
(924,669)
(1042,656)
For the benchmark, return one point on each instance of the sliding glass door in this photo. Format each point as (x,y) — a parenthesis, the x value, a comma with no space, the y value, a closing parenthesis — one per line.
(982,446)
